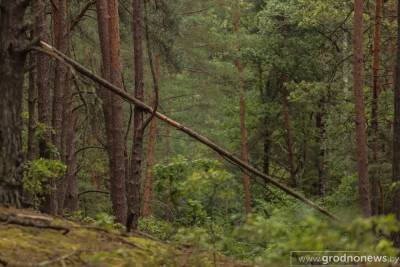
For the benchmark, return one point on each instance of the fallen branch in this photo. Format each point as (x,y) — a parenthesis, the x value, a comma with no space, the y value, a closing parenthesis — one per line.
(31,221)
(48,49)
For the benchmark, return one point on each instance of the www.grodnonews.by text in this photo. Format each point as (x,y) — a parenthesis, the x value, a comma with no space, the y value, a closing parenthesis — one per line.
(304,258)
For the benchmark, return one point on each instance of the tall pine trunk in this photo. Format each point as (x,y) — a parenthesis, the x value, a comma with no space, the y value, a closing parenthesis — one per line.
(60,36)
(375,182)
(396,135)
(42,80)
(118,186)
(138,126)
(12,61)
(289,139)
(108,24)
(358,80)
(32,96)
(242,117)
(148,187)
(320,125)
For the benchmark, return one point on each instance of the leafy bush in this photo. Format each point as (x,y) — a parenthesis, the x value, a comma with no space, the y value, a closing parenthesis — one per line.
(346,194)
(37,175)
(157,228)
(196,190)
(270,240)
(106,221)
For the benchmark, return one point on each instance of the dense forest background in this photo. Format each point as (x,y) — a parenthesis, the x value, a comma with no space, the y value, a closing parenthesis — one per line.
(305,91)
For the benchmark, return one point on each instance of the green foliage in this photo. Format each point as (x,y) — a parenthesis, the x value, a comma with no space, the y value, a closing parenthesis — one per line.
(270,240)
(196,190)
(194,237)
(156,227)
(346,195)
(106,221)
(38,173)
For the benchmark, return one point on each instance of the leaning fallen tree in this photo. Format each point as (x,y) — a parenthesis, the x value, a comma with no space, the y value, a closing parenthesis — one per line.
(48,49)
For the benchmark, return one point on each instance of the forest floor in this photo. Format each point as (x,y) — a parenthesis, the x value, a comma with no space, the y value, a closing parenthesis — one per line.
(28,238)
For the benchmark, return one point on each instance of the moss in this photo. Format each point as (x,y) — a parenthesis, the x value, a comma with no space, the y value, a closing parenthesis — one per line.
(22,245)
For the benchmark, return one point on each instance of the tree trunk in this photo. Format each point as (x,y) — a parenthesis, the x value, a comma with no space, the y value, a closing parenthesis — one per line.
(32,96)
(42,80)
(137,146)
(362,153)
(243,128)
(168,148)
(61,43)
(71,203)
(52,200)
(67,142)
(12,61)
(396,136)
(375,181)
(320,124)
(148,187)
(267,149)
(43,88)
(118,186)
(289,139)
(70,198)
(108,23)
(69,123)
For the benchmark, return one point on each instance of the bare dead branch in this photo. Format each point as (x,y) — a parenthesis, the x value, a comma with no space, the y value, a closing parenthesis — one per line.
(81,14)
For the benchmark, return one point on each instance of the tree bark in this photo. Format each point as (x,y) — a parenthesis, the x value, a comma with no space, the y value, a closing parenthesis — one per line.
(148,187)
(67,142)
(289,139)
(53,199)
(60,29)
(43,88)
(375,181)
(108,23)
(168,148)
(118,186)
(70,198)
(320,124)
(242,115)
(12,62)
(42,79)
(267,151)
(396,136)
(358,80)
(32,96)
(138,129)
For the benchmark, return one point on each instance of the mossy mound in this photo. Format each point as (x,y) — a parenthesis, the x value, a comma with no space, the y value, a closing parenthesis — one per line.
(47,244)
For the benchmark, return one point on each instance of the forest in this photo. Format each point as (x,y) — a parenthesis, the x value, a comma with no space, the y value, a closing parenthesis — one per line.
(199,133)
